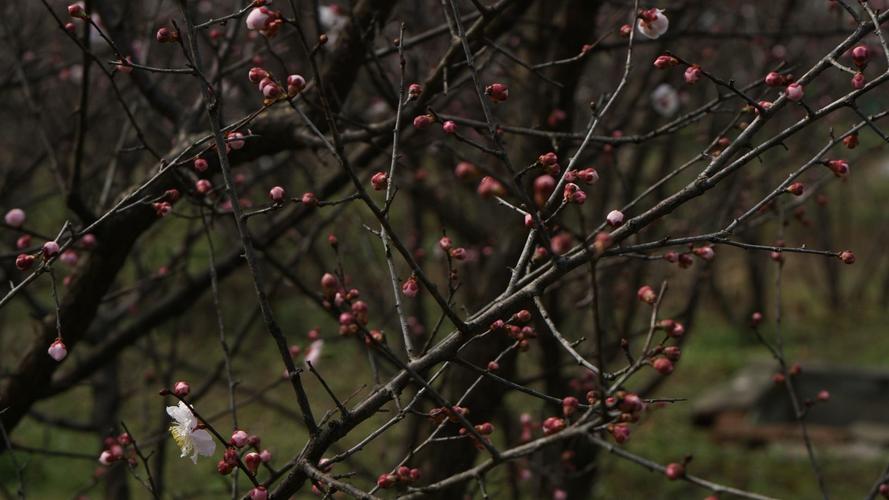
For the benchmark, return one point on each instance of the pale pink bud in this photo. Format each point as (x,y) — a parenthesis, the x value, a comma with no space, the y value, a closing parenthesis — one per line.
(794,92)
(69,257)
(276,194)
(259,493)
(203,186)
(50,249)
(653,23)
(422,121)
(295,84)
(379,181)
(239,438)
(258,18)
(181,389)
(615,218)
(57,350)
(15,217)
(265,456)
(774,79)
(257,75)
(449,127)
(858,81)
(200,165)
(692,74)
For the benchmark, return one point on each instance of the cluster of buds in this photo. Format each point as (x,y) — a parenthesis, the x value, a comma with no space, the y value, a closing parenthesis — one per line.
(587,175)
(264,20)
(50,249)
(164,205)
(483,429)
(522,334)
(452,414)
(573,194)
(490,187)
(704,252)
(684,260)
(550,163)
(497,92)
(114,450)
(671,327)
(403,475)
(270,89)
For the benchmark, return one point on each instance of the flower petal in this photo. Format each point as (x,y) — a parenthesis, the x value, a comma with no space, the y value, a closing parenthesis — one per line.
(203,444)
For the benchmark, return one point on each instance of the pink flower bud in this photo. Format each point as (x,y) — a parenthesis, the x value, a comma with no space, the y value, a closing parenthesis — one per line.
(166,35)
(665,61)
(553,425)
(490,187)
(295,84)
(823,396)
(50,249)
(309,200)
(57,350)
(756,319)
(203,186)
(265,456)
(497,92)
(663,365)
(847,257)
(569,405)
(181,389)
(70,28)
(23,241)
(414,90)
(774,79)
(692,74)
(794,92)
(449,127)
(851,140)
(386,481)
(258,18)
(235,140)
(465,170)
(860,55)
(858,81)
(444,243)
(840,168)
(69,257)
(544,185)
(379,181)
(615,218)
(252,461)
(674,471)
(239,438)
(200,165)
(76,10)
(410,287)
(796,188)
(329,282)
(105,458)
(276,194)
(422,121)
(646,294)
(257,75)
(15,218)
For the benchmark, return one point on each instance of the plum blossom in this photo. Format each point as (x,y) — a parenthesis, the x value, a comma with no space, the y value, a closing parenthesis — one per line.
(191,440)
(313,353)
(653,23)
(665,100)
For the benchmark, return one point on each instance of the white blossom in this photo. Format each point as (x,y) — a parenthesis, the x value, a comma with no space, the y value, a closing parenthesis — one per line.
(192,441)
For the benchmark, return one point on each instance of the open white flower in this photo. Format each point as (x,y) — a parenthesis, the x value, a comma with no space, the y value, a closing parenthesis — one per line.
(665,100)
(193,441)
(653,23)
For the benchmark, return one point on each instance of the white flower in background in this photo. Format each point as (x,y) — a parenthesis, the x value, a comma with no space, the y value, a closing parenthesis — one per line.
(653,23)
(313,354)
(333,19)
(665,100)
(193,441)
